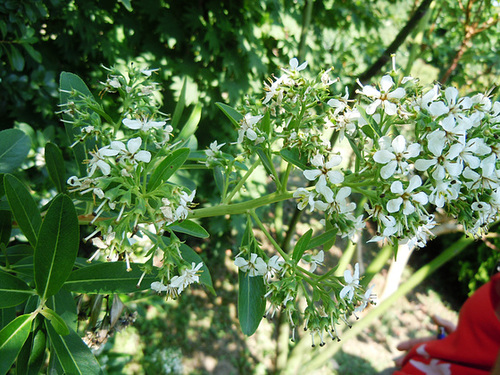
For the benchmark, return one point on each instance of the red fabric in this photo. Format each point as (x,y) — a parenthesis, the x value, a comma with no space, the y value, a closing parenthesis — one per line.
(471,350)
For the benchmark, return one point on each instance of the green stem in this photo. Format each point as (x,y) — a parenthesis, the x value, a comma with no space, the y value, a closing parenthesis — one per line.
(327,353)
(241,182)
(240,208)
(268,235)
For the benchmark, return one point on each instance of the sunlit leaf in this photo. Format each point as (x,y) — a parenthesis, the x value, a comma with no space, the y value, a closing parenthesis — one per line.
(57,246)
(14,147)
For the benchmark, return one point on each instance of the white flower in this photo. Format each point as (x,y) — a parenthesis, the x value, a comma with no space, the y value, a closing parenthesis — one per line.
(325,173)
(442,162)
(187,277)
(395,161)
(273,267)
(340,203)
(406,196)
(444,192)
(255,266)
(168,211)
(144,124)
(488,178)
(158,287)
(317,260)
(273,90)
(213,152)
(98,160)
(247,128)
(307,197)
(131,152)
(339,104)
(352,282)
(367,297)
(147,72)
(295,67)
(383,98)
(185,201)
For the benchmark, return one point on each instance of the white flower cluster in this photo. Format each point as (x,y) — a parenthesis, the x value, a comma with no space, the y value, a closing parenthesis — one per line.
(178,283)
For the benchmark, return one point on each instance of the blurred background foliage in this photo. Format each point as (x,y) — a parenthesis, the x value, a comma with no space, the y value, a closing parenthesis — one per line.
(225,49)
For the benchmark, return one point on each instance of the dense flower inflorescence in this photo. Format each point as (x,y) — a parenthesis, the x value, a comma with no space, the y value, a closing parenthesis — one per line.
(129,199)
(415,152)
(399,156)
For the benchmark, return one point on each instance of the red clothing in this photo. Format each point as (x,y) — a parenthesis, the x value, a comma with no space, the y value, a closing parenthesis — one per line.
(471,350)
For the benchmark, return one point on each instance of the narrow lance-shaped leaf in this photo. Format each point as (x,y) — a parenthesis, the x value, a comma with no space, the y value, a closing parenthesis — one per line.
(251,302)
(295,157)
(57,322)
(168,167)
(191,124)
(14,147)
(32,355)
(74,355)
(57,246)
(107,278)
(69,82)
(179,108)
(13,291)
(23,207)
(55,166)
(12,338)
(301,245)
(231,113)
(191,228)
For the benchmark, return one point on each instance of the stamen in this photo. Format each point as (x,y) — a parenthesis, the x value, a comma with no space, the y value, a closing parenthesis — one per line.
(93,256)
(140,279)
(128,262)
(120,214)
(91,235)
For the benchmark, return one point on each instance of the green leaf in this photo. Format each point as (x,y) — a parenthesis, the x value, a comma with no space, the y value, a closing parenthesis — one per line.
(6,316)
(167,168)
(57,246)
(265,124)
(251,302)
(32,355)
(16,253)
(16,59)
(35,55)
(295,157)
(57,322)
(55,166)
(69,82)
(191,228)
(64,305)
(322,239)
(191,124)
(74,355)
(5,227)
(266,160)
(126,4)
(179,108)
(107,278)
(231,113)
(14,147)
(23,207)
(13,291)
(12,338)
(301,245)
(190,256)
